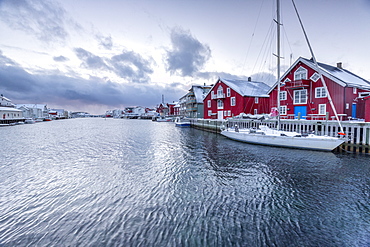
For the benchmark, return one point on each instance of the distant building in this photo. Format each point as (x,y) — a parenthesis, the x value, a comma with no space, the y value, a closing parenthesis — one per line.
(34,110)
(228,98)
(191,104)
(8,112)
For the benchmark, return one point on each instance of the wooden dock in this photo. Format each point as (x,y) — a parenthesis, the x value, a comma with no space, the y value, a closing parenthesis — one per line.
(357,132)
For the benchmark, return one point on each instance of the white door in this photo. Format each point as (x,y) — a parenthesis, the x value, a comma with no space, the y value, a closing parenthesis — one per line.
(220,115)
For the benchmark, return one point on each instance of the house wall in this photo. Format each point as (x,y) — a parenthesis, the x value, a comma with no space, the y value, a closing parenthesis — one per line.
(243,104)
(340,95)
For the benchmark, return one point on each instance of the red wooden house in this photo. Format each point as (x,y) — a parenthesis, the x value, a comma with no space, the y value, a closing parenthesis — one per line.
(302,92)
(228,98)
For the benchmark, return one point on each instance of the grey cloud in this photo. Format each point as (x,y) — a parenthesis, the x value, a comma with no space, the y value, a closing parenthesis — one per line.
(49,88)
(128,65)
(60,59)
(42,18)
(91,61)
(106,42)
(132,66)
(5,60)
(188,55)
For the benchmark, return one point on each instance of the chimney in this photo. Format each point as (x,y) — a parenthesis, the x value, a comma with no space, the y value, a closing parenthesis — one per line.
(249,78)
(339,65)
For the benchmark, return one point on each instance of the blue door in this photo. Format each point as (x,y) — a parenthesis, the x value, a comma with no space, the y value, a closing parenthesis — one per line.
(354,108)
(300,109)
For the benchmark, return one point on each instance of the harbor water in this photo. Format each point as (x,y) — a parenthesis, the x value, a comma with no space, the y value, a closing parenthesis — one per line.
(117,182)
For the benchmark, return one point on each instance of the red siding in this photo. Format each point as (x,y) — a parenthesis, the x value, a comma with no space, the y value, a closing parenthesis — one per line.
(340,95)
(243,103)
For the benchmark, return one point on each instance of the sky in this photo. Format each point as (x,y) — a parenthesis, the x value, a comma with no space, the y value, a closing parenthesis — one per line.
(95,55)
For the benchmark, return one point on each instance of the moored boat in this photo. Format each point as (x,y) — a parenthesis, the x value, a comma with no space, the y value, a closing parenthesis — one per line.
(276,137)
(182,122)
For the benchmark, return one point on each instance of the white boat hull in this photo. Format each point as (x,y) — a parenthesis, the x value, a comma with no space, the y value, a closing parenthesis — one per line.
(183,124)
(312,142)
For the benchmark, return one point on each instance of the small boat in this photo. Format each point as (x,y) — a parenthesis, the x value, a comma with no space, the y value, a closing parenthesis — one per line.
(29,121)
(182,122)
(162,119)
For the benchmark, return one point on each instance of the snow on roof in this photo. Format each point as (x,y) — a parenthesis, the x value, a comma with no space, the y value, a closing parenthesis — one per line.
(199,94)
(9,109)
(38,106)
(343,75)
(248,88)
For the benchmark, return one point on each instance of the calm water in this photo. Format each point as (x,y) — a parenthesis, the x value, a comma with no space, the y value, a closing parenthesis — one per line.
(96,182)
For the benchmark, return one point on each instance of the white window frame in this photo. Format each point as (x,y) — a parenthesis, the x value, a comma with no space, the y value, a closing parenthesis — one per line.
(209,113)
(300,74)
(355,90)
(283,110)
(255,111)
(320,92)
(315,77)
(229,113)
(220,91)
(322,109)
(283,95)
(256,100)
(363,94)
(209,103)
(299,100)
(228,92)
(220,104)
(232,101)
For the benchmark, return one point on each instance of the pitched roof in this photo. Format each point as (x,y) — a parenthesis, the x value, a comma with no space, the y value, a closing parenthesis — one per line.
(345,76)
(248,88)
(199,93)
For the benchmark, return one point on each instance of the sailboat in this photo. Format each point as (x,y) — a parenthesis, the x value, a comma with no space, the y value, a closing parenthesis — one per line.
(265,135)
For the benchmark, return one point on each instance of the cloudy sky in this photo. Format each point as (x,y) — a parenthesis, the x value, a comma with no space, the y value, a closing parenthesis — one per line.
(95,55)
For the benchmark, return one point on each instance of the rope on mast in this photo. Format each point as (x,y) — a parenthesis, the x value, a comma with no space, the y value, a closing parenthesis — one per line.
(319,70)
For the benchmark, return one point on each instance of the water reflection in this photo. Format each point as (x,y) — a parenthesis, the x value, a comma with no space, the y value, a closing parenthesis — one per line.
(138,183)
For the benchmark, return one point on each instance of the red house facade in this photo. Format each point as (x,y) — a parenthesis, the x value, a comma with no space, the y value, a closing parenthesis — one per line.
(228,98)
(302,92)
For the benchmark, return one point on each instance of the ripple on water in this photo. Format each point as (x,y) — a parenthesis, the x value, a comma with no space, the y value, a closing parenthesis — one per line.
(96,182)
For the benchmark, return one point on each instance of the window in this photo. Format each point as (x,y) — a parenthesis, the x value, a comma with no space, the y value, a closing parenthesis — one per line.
(228,92)
(208,103)
(300,96)
(283,110)
(220,104)
(347,106)
(220,91)
(232,101)
(255,112)
(209,113)
(320,92)
(256,100)
(282,95)
(229,113)
(212,95)
(300,74)
(322,109)
(363,94)
(354,90)
(315,77)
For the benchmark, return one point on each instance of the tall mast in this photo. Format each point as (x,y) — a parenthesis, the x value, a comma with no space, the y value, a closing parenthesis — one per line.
(278,60)
(318,70)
